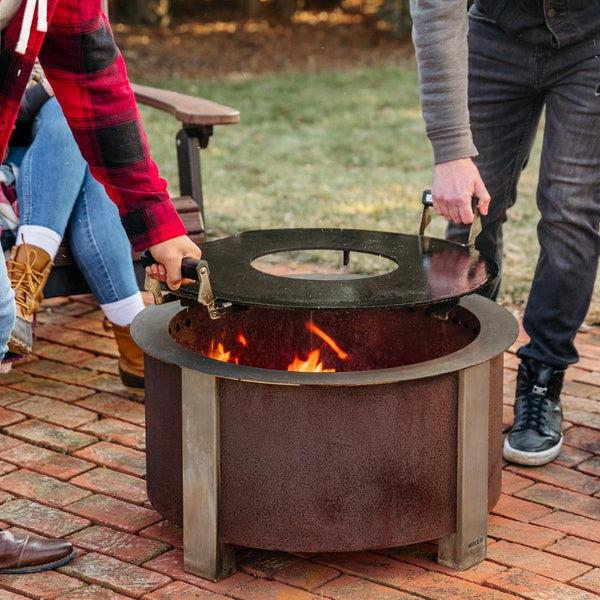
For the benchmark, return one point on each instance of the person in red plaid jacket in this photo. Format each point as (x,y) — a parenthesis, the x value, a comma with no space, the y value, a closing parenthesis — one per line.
(74,43)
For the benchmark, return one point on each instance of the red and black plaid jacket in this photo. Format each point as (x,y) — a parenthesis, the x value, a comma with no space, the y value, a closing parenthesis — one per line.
(87,72)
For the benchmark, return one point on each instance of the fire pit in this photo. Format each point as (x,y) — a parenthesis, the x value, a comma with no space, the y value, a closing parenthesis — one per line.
(393,437)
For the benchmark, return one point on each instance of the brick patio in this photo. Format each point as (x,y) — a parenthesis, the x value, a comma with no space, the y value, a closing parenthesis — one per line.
(72,464)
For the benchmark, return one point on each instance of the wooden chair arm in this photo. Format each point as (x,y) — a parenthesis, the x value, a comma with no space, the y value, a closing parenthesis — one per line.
(188,110)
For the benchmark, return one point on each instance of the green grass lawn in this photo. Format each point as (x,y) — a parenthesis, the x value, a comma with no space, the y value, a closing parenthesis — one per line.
(340,149)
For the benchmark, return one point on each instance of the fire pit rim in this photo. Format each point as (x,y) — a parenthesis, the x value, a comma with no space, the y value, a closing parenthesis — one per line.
(498,331)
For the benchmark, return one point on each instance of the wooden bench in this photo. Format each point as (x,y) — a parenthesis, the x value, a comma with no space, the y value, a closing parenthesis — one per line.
(198,118)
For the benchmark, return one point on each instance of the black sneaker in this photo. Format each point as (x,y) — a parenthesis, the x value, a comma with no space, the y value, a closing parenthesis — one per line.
(536,437)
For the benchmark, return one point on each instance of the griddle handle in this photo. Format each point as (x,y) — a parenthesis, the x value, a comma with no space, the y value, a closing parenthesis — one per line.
(188,265)
(427,202)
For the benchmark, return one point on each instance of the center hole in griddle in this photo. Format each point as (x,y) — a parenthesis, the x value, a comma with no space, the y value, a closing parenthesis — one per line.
(316,263)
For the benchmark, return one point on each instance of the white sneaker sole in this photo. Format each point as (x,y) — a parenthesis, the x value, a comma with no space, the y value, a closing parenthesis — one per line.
(531,459)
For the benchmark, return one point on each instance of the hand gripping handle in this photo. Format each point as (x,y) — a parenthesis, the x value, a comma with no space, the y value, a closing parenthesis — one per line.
(189,266)
(427,202)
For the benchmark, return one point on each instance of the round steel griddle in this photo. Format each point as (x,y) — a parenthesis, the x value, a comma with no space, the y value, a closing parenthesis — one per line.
(429,270)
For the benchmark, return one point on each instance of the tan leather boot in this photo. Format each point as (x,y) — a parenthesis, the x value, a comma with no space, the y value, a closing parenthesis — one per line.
(23,553)
(131,362)
(28,270)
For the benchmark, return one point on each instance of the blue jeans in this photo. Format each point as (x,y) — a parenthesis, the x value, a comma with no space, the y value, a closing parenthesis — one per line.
(7,309)
(510,83)
(57,191)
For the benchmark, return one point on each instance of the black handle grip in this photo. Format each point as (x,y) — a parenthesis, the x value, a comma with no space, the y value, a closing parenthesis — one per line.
(188,265)
(427,200)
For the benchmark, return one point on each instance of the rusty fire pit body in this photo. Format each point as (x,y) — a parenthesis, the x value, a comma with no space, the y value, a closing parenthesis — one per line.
(401,444)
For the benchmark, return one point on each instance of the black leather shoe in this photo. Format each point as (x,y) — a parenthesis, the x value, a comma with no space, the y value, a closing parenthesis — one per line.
(536,437)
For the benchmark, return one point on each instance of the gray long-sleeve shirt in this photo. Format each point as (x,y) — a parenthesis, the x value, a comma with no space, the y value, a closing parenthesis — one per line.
(440,39)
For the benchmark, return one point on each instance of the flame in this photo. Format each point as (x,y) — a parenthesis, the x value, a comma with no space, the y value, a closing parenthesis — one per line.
(327,339)
(219,352)
(311,363)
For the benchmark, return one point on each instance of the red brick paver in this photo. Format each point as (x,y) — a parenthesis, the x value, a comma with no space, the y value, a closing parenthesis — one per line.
(72,464)
(92,592)
(263,589)
(41,488)
(555,497)
(542,563)
(171,564)
(114,513)
(54,411)
(120,458)
(109,405)
(50,436)
(373,567)
(40,585)
(424,555)
(182,591)
(285,568)
(353,588)
(113,483)
(523,533)
(46,461)
(114,574)
(41,519)
(47,387)
(526,584)
(120,432)
(167,532)
(8,395)
(590,581)
(10,417)
(577,549)
(118,544)
(519,510)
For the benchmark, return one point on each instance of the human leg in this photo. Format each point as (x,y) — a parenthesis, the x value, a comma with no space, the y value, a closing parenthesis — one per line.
(506,98)
(102,252)
(504,108)
(102,249)
(51,172)
(569,203)
(7,309)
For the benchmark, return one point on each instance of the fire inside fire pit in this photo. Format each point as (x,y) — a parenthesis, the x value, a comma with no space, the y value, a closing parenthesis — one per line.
(325,341)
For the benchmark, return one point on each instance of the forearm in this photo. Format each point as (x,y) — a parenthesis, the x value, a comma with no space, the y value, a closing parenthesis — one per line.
(440,39)
(93,90)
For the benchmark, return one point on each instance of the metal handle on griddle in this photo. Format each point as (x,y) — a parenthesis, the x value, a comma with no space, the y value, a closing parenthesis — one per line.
(427,201)
(190,269)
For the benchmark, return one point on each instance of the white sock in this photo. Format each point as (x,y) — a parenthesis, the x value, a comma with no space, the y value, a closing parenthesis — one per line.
(42,237)
(122,312)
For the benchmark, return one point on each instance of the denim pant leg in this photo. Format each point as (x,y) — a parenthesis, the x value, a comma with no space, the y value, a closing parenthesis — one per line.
(504,110)
(7,309)
(51,172)
(56,190)
(99,244)
(569,201)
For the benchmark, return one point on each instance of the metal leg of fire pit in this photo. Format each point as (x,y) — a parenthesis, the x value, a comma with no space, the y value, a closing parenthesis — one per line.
(468,544)
(205,554)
